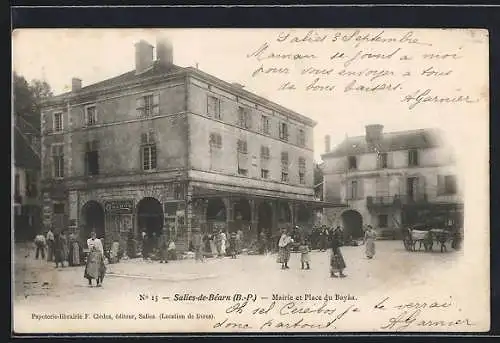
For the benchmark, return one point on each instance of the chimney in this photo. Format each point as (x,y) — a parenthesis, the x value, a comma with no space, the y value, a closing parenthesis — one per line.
(76,84)
(143,56)
(327,143)
(164,52)
(374,132)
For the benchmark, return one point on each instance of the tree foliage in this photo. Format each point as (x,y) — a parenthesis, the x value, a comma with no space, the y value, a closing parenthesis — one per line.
(28,98)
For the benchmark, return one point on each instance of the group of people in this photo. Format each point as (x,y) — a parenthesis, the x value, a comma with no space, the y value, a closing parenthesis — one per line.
(334,243)
(60,248)
(66,249)
(161,248)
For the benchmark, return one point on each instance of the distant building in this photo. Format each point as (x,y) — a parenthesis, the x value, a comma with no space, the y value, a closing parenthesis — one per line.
(166,146)
(392,180)
(27,202)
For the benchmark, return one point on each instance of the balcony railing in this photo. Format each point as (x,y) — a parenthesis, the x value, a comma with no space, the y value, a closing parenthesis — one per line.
(396,200)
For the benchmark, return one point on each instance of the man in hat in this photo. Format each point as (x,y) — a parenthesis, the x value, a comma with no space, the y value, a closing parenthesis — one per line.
(163,246)
(197,244)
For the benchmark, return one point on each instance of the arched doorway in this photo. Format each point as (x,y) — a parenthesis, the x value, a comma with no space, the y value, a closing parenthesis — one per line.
(92,219)
(216,214)
(242,215)
(352,222)
(150,216)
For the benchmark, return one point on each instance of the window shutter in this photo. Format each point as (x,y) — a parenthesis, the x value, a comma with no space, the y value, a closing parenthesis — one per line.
(402,185)
(139,105)
(156,104)
(210,107)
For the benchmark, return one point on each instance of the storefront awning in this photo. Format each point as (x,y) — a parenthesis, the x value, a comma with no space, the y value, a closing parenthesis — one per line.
(205,193)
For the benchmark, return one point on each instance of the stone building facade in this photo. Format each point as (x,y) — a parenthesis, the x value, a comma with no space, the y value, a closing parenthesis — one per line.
(165,146)
(392,180)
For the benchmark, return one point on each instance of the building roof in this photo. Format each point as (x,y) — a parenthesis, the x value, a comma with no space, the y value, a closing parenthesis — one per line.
(391,141)
(160,70)
(122,79)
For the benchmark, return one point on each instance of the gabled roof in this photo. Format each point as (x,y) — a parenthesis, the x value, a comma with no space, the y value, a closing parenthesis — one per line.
(391,141)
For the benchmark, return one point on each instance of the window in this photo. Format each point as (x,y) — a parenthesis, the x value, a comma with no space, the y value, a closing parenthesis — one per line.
(265,124)
(215,140)
(302,170)
(382,220)
(148,151)
(264,152)
(58,122)
(213,107)
(412,187)
(264,173)
(58,160)
(59,208)
(353,190)
(283,131)
(242,171)
(148,105)
(244,118)
(179,192)
(90,115)
(382,160)
(31,184)
(284,177)
(301,140)
(353,162)
(92,158)
(284,159)
(413,158)
(447,184)
(242,146)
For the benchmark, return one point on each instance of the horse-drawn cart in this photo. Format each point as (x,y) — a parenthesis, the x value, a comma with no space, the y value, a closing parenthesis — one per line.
(425,236)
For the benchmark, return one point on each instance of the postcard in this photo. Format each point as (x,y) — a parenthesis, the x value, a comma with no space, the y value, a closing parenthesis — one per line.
(250,180)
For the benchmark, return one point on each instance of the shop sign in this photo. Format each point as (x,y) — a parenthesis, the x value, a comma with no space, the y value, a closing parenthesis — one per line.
(119,206)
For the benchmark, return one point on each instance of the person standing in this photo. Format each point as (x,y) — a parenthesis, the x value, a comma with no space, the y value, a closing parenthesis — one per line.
(74,250)
(239,240)
(95,267)
(60,249)
(305,258)
(40,244)
(50,245)
(145,246)
(223,241)
(197,245)
(284,246)
(163,246)
(232,244)
(262,242)
(370,236)
(337,263)
(171,250)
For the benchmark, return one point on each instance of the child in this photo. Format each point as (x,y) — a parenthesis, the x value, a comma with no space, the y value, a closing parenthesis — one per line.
(304,254)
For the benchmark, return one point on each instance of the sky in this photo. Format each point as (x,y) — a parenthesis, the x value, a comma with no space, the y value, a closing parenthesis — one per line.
(57,55)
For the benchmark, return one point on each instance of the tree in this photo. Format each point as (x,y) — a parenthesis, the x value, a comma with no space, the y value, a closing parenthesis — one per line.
(28,98)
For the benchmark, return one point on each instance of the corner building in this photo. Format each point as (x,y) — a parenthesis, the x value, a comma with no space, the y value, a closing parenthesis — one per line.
(391,181)
(165,146)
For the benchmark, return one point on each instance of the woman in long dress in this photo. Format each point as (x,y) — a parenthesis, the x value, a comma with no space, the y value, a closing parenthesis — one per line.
(74,250)
(60,249)
(370,237)
(284,246)
(95,268)
(337,263)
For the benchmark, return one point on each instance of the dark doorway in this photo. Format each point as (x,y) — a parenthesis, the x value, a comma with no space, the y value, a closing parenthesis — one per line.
(93,219)
(265,218)
(150,216)
(216,210)
(352,222)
